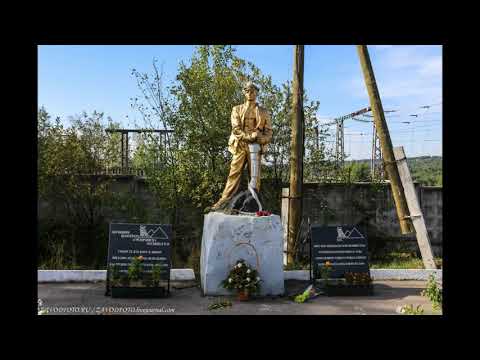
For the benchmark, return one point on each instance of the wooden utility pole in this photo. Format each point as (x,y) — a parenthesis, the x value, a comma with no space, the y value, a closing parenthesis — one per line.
(385,142)
(296,154)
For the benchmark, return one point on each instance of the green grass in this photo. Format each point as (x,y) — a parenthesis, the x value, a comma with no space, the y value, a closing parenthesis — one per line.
(49,266)
(400,260)
(397,264)
(296,266)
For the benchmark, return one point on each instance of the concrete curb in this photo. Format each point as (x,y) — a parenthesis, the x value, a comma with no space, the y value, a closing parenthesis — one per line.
(405,274)
(378,274)
(296,275)
(188,275)
(99,275)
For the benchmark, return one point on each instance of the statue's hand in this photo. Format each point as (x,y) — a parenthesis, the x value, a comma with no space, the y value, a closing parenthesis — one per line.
(253,137)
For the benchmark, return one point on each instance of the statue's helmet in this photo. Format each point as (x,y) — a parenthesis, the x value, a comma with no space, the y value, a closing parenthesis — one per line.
(249,85)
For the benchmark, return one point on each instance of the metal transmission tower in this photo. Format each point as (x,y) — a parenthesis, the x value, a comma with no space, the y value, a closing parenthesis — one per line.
(340,138)
(125,151)
(377,159)
(340,144)
(125,148)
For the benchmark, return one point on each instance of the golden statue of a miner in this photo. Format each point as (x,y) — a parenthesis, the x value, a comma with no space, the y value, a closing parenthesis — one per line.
(251,132)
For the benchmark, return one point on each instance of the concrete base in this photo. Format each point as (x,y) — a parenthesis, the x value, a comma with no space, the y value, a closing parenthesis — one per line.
(228,238)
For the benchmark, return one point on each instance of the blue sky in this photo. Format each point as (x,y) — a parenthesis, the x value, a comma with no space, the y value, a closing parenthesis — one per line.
(76,78)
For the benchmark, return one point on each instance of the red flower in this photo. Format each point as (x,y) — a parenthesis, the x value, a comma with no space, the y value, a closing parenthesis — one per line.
(263,213)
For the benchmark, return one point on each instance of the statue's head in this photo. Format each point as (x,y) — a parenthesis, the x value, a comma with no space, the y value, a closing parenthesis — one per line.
(250,90)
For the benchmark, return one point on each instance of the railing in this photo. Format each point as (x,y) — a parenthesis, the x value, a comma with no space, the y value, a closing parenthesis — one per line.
(120,171)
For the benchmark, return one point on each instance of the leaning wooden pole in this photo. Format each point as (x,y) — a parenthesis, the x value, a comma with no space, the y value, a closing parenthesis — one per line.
(296,154)
(385,142)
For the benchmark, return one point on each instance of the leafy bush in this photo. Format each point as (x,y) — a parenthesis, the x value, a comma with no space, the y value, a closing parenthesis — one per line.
(410,310)
(433,293)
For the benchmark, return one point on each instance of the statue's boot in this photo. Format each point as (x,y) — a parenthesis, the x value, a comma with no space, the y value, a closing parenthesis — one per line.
(219,204)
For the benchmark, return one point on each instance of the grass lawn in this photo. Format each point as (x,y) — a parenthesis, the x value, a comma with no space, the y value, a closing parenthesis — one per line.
(399,260)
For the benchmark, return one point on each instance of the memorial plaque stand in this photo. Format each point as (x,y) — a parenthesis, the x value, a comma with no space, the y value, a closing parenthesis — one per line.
(346,248)
(153,243)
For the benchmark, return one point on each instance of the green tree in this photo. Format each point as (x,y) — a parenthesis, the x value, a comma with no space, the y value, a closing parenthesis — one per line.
(426,170)
(360,172)
(70,163)
(355,171)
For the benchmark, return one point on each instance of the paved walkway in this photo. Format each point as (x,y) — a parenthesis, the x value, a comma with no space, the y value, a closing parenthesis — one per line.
(186,299)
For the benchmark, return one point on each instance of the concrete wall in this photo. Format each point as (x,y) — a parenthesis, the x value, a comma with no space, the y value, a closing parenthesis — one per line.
(372,207)
(431,201)
(146,209)
(329,204)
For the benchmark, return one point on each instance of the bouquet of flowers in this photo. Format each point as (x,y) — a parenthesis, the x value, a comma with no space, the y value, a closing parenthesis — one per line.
(325,271)
(309,293)
(242,278)
(358,278)
(263,213)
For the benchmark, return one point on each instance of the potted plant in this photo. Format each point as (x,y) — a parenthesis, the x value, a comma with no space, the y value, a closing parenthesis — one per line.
(354,284)
(325,271)
(136,283)
(244,279)
(115,275)
(135,271)
(156,274)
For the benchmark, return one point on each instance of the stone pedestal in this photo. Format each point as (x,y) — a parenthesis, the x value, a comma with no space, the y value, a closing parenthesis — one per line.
(228,238)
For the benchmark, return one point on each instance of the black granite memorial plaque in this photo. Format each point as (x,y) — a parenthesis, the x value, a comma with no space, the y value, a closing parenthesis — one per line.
(152,241)
(345,247)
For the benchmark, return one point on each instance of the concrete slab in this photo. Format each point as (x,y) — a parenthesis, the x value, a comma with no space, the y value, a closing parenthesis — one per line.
(186,299)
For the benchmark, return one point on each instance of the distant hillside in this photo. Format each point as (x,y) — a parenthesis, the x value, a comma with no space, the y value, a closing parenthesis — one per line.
(425,169)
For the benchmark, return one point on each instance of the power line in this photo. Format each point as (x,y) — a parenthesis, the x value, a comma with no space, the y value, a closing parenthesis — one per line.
(408,121)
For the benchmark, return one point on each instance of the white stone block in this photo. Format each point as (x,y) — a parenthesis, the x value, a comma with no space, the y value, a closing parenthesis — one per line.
(297,275)
(405,274)
(182,275)
(100,275)
(228,238)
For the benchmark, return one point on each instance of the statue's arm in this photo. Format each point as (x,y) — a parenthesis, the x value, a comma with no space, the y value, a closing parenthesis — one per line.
(237,128)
